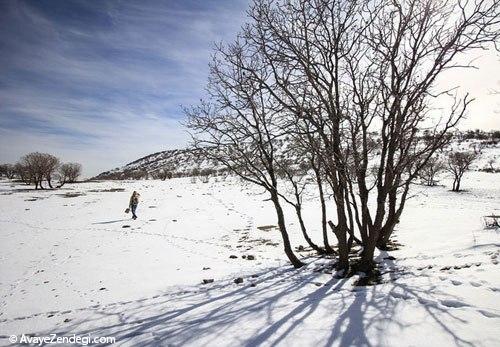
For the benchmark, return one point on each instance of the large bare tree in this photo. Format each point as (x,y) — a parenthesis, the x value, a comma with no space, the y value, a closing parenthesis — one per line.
(356,80)
(352,68)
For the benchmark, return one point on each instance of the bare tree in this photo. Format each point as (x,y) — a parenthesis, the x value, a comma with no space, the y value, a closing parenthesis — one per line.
(23,172)
(433,167)
(339,72)
(8,170)
(458,163)
(163,174)
(491,165)
(350,68)
(69,172)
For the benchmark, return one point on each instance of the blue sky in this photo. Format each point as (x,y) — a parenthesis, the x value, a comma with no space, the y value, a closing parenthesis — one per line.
(102,82)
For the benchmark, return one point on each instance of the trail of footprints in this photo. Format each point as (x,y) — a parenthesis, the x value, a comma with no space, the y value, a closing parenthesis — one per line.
(450,303)
(454,303)
(200,289)
(34,270)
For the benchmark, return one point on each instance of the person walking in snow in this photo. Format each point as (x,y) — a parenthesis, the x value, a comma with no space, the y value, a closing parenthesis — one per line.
(134,201)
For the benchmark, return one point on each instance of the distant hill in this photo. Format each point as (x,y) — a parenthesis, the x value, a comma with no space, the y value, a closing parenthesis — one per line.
(176,162)
(191,162)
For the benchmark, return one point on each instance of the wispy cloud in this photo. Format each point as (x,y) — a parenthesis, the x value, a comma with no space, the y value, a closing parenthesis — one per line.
(101,82)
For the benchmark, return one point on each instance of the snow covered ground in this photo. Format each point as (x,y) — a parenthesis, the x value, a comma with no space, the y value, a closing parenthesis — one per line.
(71,262)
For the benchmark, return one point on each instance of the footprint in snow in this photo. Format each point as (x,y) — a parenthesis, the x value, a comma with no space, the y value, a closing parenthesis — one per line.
(456,283)
(489,314)
(400,295)
(475,284)
(427,302)
(453,303)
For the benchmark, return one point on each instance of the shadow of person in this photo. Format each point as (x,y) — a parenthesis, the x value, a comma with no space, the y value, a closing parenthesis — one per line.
(111,221)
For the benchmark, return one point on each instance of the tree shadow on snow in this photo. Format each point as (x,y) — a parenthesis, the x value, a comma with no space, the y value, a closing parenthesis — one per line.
(267,313)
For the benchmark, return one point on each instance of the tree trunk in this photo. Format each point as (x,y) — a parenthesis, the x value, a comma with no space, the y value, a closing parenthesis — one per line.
(393,218)
(284,234)
(455,181)
(366,265)
(341,234)
(385,234)
(328,249)
(298,210)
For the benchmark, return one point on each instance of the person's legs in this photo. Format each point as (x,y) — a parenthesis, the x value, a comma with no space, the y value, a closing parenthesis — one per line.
(134,207)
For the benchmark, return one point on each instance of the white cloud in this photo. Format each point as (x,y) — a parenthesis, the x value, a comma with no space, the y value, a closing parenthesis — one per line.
(105,93)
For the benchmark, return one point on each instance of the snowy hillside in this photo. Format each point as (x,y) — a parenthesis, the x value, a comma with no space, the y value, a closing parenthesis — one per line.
(179,162)
(73,263)
(186,162)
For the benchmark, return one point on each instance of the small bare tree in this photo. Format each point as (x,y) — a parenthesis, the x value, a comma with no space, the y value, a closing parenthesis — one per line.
(491,165)
(69,173)
(8,170)
(459,163)
(23,172)
(163,174)
(433,167)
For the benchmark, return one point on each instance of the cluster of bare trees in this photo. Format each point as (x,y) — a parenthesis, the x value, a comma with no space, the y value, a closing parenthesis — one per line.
(349,84)
(456,163)
(162,174)
(36,168)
